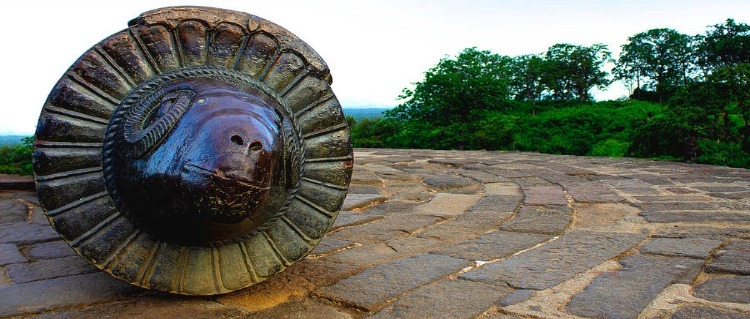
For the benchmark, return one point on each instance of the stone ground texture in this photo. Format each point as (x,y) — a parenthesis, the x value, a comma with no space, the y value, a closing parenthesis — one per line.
(450,234)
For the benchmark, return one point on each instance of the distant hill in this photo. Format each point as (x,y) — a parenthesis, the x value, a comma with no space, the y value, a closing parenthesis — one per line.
(365,113)
(11,139)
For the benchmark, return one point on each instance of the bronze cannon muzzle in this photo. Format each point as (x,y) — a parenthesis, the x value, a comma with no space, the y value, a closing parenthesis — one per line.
(199,151)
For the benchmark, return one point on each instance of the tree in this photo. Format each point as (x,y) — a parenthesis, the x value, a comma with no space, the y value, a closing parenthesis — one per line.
(731,87)
(454,93)
(527,72)
(628,70)
(374,132)
(725,44)
(16,159)
(656,60)
(571,71)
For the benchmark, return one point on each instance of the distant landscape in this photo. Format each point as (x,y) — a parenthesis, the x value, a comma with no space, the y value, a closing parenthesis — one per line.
(365,113)
(11,140)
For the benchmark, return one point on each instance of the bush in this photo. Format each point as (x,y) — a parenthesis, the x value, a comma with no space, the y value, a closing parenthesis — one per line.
(604,128)
(375,133)
(660,136)
(494,131)
(16,159)
(611,148)
(727,154)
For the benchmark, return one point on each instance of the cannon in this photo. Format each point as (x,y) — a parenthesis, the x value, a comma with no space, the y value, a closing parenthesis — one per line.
(198,151)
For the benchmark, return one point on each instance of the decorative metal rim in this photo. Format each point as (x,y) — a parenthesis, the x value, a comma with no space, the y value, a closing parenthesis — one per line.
(70,133)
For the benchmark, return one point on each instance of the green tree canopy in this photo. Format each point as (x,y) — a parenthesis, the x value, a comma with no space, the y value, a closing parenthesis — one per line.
(455,91)
(527,73)
(715,108)
(571,71)
(733,86)
(725,44)
(656,60)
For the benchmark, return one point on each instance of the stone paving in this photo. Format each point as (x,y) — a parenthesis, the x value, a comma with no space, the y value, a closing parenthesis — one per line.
(448,234)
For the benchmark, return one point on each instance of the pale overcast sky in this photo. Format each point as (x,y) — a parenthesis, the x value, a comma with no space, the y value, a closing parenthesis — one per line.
(373,48)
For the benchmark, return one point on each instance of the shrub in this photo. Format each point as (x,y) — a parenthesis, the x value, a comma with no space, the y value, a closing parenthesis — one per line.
(16,159)
(727,154)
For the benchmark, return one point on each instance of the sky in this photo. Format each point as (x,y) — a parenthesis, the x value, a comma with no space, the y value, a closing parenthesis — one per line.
(374,49)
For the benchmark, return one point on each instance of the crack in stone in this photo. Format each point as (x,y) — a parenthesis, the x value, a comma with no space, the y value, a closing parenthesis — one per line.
(29,208)
(675,296)
(548,303)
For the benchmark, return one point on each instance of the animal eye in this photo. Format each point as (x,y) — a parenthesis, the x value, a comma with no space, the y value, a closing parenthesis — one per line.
(153,117)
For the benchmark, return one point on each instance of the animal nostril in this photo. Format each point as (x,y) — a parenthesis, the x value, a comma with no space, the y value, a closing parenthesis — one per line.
(236,139)
(255,146)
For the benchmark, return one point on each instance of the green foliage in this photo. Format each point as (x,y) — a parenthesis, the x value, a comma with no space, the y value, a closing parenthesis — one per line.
(456,105)
(610,148)
(454,92)
(717,109)
(728,154)
(454,88)
(658,60)
(604,129)
(373,133)
(571,71)
(566,72)
(351,121)
(731,86)
(494,130)
(725,44)
(562,131)
(16,159)
(527,74)
(612,128)
(658,136)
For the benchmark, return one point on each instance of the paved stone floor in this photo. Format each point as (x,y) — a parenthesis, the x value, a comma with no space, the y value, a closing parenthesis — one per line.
(445,234)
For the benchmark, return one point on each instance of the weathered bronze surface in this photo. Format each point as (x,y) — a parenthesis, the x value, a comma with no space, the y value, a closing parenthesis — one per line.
(199,151)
